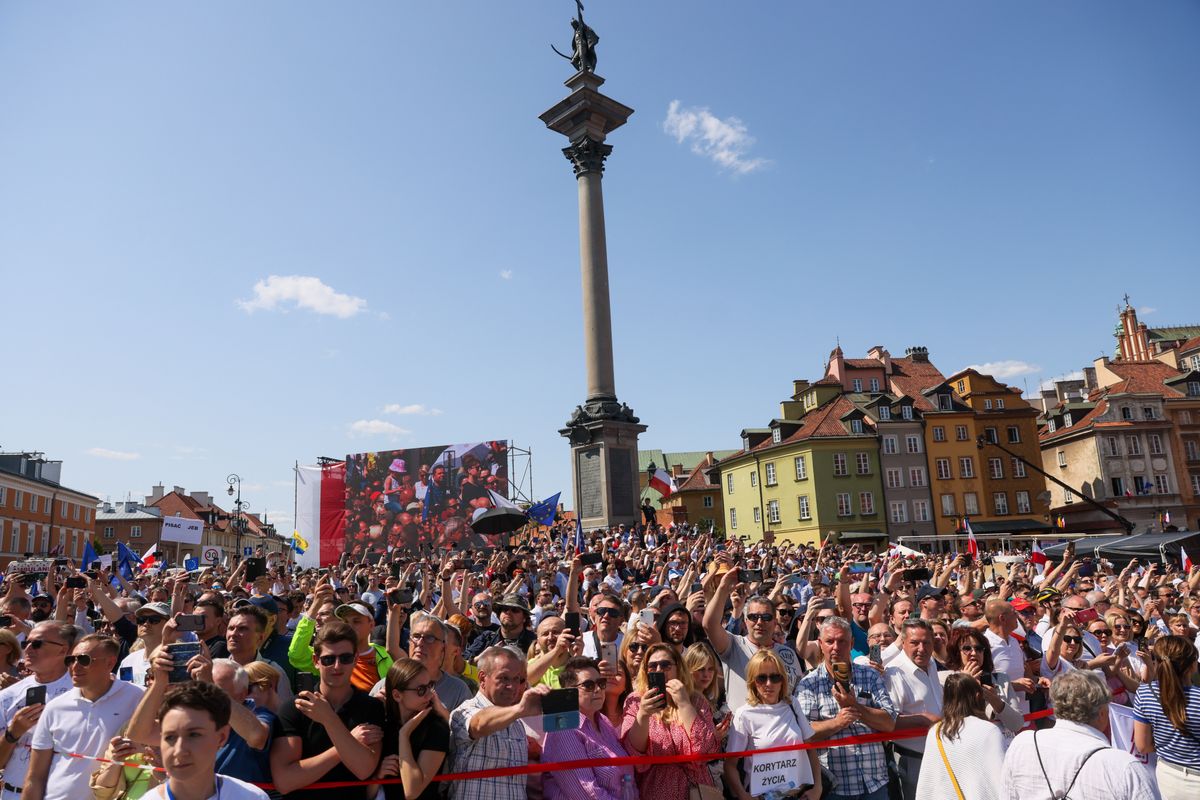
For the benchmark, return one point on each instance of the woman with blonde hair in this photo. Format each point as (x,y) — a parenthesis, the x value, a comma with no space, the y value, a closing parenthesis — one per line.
(702,662)
(264,685)
(461,667)
(770,717)
(1167,718)
(667,716)
(964,752)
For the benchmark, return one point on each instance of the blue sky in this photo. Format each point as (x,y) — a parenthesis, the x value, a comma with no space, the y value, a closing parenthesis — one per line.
(984,179)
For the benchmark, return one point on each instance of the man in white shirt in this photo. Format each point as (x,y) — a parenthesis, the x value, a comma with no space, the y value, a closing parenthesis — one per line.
(1074,759)
(912,681)
(1007,653)
(46,649)
(82,720)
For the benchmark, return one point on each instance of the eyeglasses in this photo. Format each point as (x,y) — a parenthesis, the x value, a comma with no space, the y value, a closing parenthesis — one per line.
(1121,627)
(425,637)
(83,659)
(787,612)
(861,605)
(608,611)
(483,606)
(1102,632)
(758,617)
(151,620)
(345,659)
(763,678)
(1072,639)
(592,686)
(660,666)
(970,648)
(421,690)
(36,644)
(822,618)
(638,647)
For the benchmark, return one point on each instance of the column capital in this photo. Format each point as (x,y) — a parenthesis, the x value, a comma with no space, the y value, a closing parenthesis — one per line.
(587,155)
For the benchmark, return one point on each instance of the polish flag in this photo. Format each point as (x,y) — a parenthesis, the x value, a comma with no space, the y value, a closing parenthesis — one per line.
(321,513)
(1037,558)
(972,545)
(663,482)
(151,557)
(1185,559)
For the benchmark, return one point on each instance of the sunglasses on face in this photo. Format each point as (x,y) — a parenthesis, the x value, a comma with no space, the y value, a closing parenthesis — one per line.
(638,647)
(483,606)
(36,644)
(786,612)
(606,611)
(660,666)
(421,690)
(758,617)
(345,659)
(151,620)
(1102,632)
(1072,639)
(83,659)
(592,686)
(971,648)
(1121,627)
(763,678)
(825,617)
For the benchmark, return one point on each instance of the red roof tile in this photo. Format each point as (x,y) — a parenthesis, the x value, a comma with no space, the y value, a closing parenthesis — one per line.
(698,480)
(911,378)
(1086,421)
(1144,377)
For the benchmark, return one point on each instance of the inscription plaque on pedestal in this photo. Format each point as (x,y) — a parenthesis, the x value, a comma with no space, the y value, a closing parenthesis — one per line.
(620,469)
(589,470)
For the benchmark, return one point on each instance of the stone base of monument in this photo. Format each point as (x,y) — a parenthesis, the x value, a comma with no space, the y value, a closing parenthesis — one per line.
(604,465)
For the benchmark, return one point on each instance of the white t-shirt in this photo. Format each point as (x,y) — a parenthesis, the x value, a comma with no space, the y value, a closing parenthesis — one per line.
(12,700)
(1009,658)
(738,656)
(227,789)
(756,727)
(71,723)
(140,665)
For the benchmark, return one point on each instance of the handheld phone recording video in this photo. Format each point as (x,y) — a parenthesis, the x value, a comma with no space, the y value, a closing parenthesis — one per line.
(307,682)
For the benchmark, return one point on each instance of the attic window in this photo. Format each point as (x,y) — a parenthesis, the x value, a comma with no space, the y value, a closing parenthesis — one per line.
(1193,389)
(776,436)
(945,403)
(1067,419)
(1053,427)
(885,412)
(906,412)
(856,426)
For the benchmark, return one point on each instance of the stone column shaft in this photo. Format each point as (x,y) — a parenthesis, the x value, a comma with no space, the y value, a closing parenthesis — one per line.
(593,265)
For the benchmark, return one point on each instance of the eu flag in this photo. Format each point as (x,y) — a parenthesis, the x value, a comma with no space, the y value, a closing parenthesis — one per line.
(127,562)
(89,555)
(543,512)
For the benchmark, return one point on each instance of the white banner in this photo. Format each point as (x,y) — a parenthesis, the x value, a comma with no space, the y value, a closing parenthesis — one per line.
(308,515)
(774,772)
(1120,725)
(182,529)
(212,555)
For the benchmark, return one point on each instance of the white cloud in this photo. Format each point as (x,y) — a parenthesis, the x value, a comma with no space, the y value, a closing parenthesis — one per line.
(304,292)
(506,274)
(1048,384)
(112,455)
(1005,369)
(725,141)
(411,409)
(376,427)
(1146,311)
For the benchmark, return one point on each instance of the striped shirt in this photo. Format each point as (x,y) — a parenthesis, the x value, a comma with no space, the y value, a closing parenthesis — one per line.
(588,741)
(1170,744)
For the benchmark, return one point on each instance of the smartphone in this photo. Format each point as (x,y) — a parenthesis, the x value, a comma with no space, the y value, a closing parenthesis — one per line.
(591,559)
(1086,615)
(1087,569)
(608,652)
(560,710)
(916,574)
(400,597)
(5,620)
(656,680)
(750,575)
(646,617)
(35,696)
(60,562)
(307,682)
(861,568)
(829,604)
(573,622)
(189,622)
(76,582)
(794,579)
(986,679)
(126,674)
(876,654)
(181,654)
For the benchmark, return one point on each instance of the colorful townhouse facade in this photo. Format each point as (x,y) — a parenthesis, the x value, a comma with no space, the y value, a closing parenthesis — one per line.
(38,515)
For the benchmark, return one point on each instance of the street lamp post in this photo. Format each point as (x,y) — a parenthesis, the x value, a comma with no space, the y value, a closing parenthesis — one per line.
(238,523)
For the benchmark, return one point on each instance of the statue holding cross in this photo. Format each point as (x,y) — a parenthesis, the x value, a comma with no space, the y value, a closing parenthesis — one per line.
(583,43)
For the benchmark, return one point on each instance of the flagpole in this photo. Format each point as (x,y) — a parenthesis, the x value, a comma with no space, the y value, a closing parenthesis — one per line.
(295,511)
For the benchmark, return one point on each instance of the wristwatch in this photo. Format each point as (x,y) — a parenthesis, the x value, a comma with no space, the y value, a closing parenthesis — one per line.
(8,737)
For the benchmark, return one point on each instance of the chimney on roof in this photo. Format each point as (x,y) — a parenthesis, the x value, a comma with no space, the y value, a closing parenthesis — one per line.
(179,490)
(156,494)
(709,456)
(883,357)
(203,498)
(918,354)
(798,388)
(131,506)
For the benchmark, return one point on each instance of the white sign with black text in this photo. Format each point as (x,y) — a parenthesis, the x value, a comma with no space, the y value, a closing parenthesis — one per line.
(182,529)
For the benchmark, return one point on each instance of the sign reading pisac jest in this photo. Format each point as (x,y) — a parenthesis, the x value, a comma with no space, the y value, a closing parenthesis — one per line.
(182,529)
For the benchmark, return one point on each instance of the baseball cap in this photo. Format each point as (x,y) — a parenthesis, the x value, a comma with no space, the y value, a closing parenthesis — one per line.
(161,609)
(353,608)
(267,604)
(929,590)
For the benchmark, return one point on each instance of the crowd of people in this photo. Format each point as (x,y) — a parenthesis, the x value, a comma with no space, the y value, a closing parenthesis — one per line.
(909,676)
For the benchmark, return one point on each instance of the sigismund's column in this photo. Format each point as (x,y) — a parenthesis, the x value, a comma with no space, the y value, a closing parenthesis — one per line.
(603,432)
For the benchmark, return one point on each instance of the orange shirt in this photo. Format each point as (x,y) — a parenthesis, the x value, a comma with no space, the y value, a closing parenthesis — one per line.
(366,673)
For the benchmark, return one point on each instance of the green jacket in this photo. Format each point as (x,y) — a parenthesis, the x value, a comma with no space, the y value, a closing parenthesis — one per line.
(300,653)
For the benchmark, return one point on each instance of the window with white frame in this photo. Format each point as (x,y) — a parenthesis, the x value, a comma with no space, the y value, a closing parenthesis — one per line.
(14,537)
(960,433)
(733,519)
(987,405)
(885,413)
(920,511)
(966,467)
(1193,388)
(839,464)
(1014,434)
(1062,458)
(863,463)
(773,511)
(776,435)
(1068,496)
(856,426)
(64,513)
(1050,424)
(1155,444)
(1000,503)
(991,435)
(729,482)
(1111,446)
(805,513)
(757,514)
(1023,506)
(1185,417)
(996,468)
(33,503)
(1140,485)
(857,384)
(939,433)
(30,535)
(948,509)
(771,473)
(753,478)
(874,384)
(889,446)
(1196,484)
(898,511)
(970,503)
(1018,468)
(18,499)
(708,501)
(108,532)
(135,531)
(906,412)
(1134,445)
(943,469)
(3,495)
(945,402)
(1147,412)
(1161,485)
(916,476)
(999,402)
(895,478)
(866,503)
(801,468)
(1067,420)
(843,504)
(1192,450)
(1195,362)
(912,443)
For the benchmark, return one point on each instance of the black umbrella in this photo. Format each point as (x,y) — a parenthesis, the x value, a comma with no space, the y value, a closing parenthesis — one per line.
(499,520)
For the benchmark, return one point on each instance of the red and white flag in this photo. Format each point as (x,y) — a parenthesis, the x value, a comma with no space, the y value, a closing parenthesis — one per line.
(972,545)
(1185,559)
(321,513)
(1037,558)
(150,557)
(663,482)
